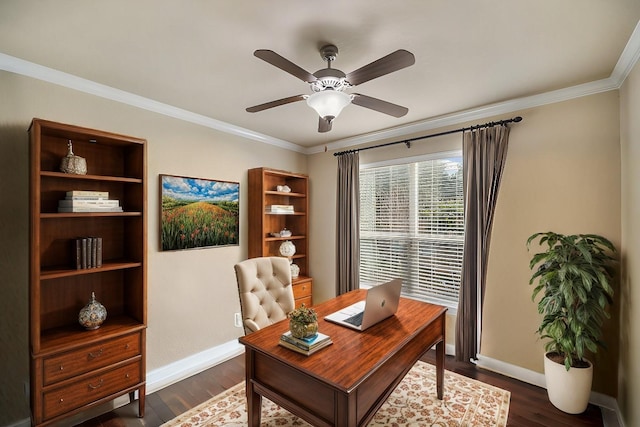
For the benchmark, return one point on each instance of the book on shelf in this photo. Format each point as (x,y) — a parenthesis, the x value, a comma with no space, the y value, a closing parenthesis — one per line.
(87,193)
(280,208)
(89,209)
(88,252)
(301,349)
(99,203)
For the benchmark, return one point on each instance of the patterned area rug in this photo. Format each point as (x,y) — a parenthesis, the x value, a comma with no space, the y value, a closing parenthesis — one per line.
(466,402)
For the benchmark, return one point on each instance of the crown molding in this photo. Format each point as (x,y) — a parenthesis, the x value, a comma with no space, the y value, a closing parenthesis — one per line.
(50,75)
(626,62)
(477,113)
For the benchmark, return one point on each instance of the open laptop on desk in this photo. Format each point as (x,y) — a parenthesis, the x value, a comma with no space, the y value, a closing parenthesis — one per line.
(381,302)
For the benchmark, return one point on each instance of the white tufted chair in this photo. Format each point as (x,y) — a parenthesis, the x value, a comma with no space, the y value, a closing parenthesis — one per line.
(266,295)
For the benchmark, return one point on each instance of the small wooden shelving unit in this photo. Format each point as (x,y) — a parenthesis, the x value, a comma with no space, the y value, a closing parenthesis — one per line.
(263,185)
(73,369)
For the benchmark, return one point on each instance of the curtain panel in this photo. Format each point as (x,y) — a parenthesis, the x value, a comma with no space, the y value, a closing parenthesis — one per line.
(348,223)
(484,156)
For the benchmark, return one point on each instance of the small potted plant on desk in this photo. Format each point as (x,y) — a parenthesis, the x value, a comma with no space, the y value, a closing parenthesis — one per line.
(574,276)
(303,322)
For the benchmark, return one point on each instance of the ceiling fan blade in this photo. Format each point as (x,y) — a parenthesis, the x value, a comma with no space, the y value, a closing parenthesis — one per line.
(324,125)
(388,64)
(276,103)
(379,105)
(284,64)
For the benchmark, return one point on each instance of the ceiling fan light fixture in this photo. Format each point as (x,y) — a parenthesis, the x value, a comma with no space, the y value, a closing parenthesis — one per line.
(329,103)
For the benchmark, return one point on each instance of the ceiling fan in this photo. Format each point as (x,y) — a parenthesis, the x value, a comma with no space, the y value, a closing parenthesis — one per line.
(328,84)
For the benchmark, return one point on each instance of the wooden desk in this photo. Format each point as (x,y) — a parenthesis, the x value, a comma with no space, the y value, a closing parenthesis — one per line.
(345,383)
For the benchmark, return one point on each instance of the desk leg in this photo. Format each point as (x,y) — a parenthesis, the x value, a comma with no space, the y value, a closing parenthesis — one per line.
(440,369)
(254,406)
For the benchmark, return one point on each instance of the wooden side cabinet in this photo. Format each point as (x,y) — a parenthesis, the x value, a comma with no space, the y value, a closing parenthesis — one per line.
(73,369)
(268,190)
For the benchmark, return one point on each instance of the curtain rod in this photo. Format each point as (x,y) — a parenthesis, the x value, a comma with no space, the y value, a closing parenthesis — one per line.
(408,142)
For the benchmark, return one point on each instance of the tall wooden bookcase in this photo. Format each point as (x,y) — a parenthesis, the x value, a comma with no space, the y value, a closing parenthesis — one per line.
(263,194)
(72,368)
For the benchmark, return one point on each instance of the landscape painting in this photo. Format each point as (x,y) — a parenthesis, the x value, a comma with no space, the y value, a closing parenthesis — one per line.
(198,213)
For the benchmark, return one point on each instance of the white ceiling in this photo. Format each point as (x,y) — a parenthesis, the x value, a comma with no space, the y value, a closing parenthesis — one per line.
(194,58)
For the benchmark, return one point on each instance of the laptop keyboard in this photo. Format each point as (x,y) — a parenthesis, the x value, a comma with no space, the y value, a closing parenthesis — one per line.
(356,319)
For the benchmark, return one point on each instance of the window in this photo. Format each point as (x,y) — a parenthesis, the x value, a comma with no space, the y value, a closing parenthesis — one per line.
(412,226)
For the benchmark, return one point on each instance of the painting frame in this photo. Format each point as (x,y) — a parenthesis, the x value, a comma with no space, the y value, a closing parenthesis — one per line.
(198,213)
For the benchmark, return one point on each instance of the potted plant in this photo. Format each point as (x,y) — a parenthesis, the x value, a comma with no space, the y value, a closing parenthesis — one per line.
(574,276)
(303,322)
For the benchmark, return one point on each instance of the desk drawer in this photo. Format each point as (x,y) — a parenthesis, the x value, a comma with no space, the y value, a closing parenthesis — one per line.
(85,359)
(90,389)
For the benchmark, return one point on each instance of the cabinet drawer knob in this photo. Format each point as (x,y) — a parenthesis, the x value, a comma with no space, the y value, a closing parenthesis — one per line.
(61,368)
(93,387)
(126,347)
(94,355)
(61,400)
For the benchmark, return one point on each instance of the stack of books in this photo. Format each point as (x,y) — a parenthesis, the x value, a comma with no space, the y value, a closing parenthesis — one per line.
(306,346)
(88,252)
(88,201)
(281,209)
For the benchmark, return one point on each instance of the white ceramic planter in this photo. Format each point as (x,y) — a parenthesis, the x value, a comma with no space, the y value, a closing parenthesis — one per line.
(569,390)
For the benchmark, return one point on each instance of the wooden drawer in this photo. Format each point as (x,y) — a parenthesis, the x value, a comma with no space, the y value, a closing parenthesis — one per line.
(302,290)
(74,363)
(90,389)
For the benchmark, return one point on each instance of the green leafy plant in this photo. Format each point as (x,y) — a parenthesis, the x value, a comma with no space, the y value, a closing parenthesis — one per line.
(574,274)
(303,315)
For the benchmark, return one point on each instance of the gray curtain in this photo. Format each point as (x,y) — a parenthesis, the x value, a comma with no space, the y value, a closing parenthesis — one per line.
(484,155)
(348,223)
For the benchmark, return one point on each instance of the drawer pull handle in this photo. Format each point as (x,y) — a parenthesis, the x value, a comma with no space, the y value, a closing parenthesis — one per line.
(94,355)
(93,387)
(61,368)
(126,347)
(61,400)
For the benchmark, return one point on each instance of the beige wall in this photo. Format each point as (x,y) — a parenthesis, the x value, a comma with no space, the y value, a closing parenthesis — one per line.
(192,295)
(629,372)
(562,174)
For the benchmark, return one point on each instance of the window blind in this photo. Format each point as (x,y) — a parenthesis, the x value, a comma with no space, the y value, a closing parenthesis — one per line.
(412,227)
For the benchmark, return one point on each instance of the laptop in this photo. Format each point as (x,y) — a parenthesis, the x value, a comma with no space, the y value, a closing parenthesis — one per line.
(381,302)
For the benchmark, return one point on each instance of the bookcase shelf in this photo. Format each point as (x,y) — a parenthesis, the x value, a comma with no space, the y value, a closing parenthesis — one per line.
(115,352)
(56,273)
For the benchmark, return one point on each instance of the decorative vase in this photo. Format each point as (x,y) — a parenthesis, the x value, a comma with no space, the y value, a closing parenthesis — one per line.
(295,271)
(569,390)
(303,330)
(93,314)
(73,164)
(287,249)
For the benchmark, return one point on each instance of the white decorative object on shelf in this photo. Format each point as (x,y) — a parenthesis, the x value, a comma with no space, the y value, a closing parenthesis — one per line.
(295,271)
(287,249)
(283,188)
(285,233)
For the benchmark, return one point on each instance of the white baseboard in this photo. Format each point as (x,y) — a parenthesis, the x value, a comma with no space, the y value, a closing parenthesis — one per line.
(191,365)
(610,411)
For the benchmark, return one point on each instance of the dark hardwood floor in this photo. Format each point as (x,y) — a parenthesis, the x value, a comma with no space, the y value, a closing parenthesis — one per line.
(529,404)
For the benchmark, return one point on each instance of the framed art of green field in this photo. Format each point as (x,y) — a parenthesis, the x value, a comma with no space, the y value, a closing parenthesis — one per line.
(198,213)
